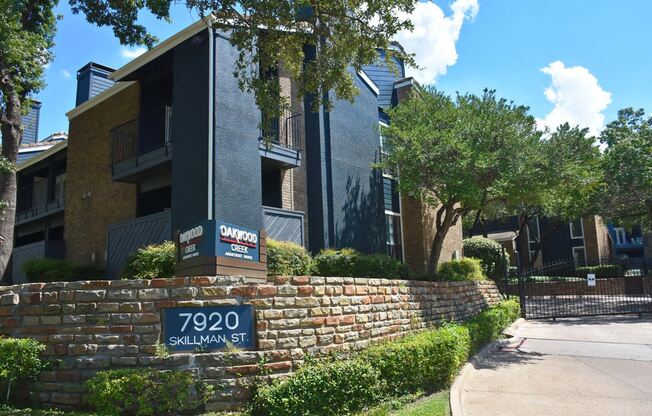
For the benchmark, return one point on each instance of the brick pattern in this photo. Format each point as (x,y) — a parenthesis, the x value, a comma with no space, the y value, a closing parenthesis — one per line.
(88,181)
(597,242)
(95,325)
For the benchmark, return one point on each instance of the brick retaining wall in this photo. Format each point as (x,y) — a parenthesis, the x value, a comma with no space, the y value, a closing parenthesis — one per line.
(95,325)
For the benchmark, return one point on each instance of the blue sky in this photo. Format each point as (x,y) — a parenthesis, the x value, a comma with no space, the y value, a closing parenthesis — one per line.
(596,55)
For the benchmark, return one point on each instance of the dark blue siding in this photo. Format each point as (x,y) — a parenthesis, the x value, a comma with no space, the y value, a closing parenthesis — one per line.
(92,79)
(30,123)
(237,186)
(190,133)
(384,78)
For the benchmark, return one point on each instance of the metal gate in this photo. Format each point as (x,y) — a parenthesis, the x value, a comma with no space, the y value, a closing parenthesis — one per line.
(569,289)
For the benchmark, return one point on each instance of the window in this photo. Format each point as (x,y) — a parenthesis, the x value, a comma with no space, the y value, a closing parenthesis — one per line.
(579,256)
(533,230)
(394,235)
(576,229)
(621,237)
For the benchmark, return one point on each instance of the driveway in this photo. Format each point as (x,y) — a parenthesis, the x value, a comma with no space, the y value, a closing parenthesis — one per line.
(590,366)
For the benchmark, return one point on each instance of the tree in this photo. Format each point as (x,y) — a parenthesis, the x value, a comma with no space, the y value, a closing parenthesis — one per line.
(317,42)
(626,196)
(456,155)
(26,37)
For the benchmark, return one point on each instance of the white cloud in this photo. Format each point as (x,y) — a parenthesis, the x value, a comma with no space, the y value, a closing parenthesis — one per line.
(434,37)
(66,73)
(577,96)
(131,53)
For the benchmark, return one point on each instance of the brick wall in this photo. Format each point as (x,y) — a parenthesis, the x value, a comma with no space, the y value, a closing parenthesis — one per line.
(93,200)
(90,326)
(597,242)
(419,229)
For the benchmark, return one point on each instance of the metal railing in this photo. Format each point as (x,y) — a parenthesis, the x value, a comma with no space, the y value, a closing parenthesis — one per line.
(31,203)
(285,130)
(142,135)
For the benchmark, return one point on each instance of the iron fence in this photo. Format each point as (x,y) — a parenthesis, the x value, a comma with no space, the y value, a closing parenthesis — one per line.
(142,135)
(285,130)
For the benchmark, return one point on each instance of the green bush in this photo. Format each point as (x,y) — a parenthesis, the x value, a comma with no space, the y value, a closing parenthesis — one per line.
(466,268)
(330,388)
(144,392)
(153,261)
(348,262)
(607,270)
(427,361)
(55,270)
(19,361)
(287,259)
(490,253)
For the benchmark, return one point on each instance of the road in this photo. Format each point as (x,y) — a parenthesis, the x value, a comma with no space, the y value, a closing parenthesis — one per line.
(590,366)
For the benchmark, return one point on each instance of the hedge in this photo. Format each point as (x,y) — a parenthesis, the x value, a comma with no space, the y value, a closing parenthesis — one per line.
(490,253)
(466,268)
(351,263)
(426,361)
(55,270)
(153,261)
(607,270)
(285,259)
(20,361)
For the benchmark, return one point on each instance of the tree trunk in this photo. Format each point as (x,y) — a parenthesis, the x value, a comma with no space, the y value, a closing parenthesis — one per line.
(523,244)
(443,223)
(12,132)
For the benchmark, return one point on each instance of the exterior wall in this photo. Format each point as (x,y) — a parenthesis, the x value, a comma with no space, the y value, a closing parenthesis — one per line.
(647,243)
(93,200)
(95,325)
(419,230)
(597,242)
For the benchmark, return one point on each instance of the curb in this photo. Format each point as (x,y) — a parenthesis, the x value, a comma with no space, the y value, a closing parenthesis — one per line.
(455,397)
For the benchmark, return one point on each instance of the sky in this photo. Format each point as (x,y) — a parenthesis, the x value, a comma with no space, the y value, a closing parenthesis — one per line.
(576,61)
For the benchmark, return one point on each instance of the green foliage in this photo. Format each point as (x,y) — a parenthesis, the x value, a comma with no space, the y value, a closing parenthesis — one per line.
(329,388)
(19,360)
(350,263)
(488,325)
(607,270)
(483,139)
(490,253)
(145,392)
(466,268)
(55,270)
(626,195)
(153,261)
(287,259)
(427,361)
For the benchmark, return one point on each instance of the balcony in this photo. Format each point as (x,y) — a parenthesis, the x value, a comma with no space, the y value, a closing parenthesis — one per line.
(142,145)
(281,138)
(32,203)
(284,224)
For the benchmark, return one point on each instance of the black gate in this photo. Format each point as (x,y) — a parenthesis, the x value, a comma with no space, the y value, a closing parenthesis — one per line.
(569,289)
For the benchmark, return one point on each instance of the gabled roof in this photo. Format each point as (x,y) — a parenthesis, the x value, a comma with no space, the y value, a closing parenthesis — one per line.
(43,155)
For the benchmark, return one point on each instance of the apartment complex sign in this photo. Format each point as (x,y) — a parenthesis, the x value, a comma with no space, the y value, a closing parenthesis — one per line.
(218,238)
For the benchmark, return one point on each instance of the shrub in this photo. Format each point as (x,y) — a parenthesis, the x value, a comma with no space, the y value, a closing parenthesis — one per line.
(490,253)
(350,263)
(331,262)
(427,361)
(285,258)
(19,361)
(55,270)
(466,268)
(144,392)
(488,324)
(153,261)
(326,388)
(607,270)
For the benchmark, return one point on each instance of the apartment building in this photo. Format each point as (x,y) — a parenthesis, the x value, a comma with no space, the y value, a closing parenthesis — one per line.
(169,141)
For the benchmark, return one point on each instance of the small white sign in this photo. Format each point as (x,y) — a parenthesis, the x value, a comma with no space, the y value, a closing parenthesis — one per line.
(590,279)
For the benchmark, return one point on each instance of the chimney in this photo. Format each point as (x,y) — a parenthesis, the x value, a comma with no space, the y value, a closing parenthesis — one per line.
(30,123)
(92,79)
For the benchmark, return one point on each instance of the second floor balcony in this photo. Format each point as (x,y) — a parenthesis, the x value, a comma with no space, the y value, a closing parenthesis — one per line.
(281,139)
(141,145)
(33,202)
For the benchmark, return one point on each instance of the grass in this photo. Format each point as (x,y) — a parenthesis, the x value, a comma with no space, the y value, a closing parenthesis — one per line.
(433,405)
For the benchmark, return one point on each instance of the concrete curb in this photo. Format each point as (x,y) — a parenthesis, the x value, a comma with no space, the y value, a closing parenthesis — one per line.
(455,397)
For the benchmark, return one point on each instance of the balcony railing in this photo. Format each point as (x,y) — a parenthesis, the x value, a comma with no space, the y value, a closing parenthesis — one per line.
(285,130)
(145,134)
(32,202)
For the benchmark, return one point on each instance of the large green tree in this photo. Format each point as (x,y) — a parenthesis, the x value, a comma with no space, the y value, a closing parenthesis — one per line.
(457,154)
(26,38)
(626,196)
(336,36)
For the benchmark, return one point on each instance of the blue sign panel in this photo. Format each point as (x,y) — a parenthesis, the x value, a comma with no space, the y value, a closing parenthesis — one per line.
(218,238)
(209,328)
